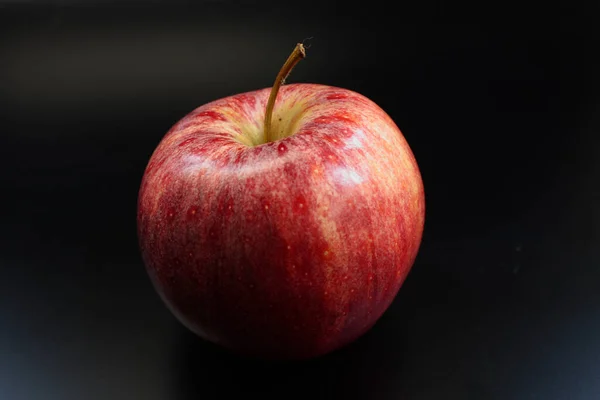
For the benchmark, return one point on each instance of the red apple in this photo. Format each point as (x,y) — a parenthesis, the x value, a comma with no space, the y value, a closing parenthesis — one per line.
(285,244)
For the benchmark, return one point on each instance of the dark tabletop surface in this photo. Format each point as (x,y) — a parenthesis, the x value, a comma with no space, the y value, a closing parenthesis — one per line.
(503,116)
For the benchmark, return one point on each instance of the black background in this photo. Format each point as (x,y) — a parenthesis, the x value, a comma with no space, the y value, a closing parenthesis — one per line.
(502,114)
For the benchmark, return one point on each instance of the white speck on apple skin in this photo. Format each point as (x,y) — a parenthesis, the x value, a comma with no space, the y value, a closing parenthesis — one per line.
(355,141)
(347,176)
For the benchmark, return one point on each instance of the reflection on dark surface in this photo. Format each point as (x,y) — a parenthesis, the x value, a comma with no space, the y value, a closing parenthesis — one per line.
(504,300)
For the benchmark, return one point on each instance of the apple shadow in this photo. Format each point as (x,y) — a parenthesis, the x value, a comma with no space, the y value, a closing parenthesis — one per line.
(209,372)
(354,372)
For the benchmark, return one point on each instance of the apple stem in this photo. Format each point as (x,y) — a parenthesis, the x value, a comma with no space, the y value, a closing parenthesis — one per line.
(298,54)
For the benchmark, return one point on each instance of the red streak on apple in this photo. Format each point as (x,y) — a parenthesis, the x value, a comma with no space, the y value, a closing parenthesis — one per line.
(286,249)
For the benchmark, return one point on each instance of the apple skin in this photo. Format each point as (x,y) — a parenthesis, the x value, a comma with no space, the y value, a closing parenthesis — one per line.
(288,249)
